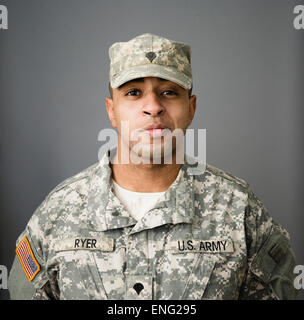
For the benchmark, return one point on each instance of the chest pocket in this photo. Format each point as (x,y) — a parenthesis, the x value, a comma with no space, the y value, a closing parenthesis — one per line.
(199,277)
(183,276)
(79,277)
(97,272)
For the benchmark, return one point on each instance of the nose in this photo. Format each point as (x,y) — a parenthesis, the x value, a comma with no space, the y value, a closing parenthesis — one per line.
(152,105)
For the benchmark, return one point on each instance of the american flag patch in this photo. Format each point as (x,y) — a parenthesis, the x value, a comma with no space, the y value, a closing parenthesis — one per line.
(27,259)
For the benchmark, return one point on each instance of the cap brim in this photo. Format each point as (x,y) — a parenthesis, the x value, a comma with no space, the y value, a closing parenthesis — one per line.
(152,70)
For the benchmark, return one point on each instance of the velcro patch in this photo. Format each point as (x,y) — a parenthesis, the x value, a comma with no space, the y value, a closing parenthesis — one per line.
(276,253)
(208,246)
(79,243)
(27,259)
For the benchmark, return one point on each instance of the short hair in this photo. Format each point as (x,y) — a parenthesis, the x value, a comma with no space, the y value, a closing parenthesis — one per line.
(111,91)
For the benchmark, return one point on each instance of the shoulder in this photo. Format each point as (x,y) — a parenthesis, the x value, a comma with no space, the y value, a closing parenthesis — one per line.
(225,177)
(254,209)
(219,181)
(221,190)
(63,199)
(74,181)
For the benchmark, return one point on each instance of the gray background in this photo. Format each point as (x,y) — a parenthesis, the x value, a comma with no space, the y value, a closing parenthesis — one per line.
(248,78)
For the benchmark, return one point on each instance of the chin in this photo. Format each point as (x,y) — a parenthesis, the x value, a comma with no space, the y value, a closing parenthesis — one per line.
(157,153)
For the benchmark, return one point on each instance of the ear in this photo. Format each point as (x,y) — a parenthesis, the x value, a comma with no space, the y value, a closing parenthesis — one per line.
(192,108)
(110,111)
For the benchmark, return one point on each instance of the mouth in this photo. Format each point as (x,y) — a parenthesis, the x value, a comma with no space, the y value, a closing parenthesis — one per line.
(156,131)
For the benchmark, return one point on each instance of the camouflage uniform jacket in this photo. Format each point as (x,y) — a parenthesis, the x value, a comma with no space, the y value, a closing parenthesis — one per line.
(209,237)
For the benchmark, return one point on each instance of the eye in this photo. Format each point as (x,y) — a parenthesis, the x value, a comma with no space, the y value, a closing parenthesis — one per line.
(132,92)
(169,92)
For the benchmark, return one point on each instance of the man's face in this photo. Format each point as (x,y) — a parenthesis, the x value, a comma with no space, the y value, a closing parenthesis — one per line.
(150,105)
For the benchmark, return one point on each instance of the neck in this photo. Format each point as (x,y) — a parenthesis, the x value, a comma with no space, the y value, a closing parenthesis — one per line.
(144,177)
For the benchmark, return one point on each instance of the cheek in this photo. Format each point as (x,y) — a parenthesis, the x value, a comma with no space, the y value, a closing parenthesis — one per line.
(126,123)
(124,114)
(179,115)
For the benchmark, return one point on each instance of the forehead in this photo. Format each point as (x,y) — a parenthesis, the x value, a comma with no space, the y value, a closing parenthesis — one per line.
(142,80)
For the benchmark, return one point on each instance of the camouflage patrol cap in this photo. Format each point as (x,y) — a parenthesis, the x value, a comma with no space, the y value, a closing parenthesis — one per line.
(149,55)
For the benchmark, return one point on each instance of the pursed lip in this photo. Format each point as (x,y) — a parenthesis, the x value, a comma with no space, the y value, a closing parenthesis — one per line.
(156,130)
(155,126)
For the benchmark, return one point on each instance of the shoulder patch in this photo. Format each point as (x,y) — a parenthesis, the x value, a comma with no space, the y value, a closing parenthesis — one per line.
(27,259)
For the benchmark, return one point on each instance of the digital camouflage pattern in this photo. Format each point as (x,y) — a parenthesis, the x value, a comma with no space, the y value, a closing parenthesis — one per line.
(150,55)
(209,237)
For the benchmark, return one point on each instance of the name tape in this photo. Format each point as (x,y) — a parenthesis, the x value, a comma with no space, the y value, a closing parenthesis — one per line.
(101,244)
(208,246)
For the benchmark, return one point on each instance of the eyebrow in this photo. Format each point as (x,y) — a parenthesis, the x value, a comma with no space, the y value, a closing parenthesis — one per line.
(137,80)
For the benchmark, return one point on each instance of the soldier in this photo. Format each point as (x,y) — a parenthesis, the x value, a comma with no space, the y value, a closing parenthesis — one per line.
(152,231)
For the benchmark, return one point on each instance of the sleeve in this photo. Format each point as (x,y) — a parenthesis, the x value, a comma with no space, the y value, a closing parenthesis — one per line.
(270,259)
(28,278)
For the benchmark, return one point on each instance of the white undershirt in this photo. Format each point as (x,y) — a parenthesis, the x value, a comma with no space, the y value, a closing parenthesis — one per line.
(137,203)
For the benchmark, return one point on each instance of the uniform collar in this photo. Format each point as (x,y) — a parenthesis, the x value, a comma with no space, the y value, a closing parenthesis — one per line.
(105,212)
